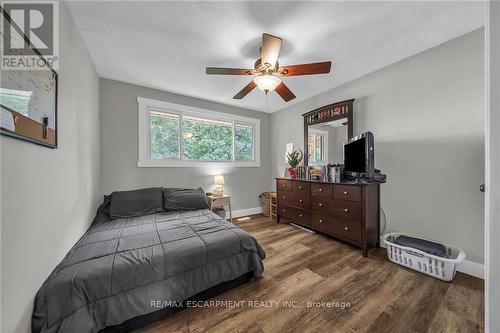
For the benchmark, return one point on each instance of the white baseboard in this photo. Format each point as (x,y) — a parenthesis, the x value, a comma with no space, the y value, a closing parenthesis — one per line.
(467,267)
(245,212)
(471,268)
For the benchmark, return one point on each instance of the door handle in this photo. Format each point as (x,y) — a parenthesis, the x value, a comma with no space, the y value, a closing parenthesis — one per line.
(481,188)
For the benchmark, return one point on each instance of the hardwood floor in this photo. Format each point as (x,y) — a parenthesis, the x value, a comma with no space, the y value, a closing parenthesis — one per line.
(302,267)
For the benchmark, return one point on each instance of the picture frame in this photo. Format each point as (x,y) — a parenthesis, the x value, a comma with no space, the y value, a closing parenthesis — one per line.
(28,99)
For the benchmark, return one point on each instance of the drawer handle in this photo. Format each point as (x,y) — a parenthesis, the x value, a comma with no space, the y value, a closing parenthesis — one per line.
(345,193)
(301,201)
(320,190)
(300,215)
(346,228)
(283,185)
(300,187)
(284,210)
(346,210)
(320,204)
(284,197)
(320,221)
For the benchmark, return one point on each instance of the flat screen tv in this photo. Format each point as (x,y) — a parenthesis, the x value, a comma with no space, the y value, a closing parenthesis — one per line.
(359,158)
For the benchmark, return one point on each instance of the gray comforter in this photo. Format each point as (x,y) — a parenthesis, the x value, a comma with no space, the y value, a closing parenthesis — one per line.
(120,268)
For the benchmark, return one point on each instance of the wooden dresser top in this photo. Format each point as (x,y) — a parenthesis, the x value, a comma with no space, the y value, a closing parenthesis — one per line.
(342,182)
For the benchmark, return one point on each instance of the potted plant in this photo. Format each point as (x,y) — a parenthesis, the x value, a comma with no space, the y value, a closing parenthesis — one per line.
(294,158)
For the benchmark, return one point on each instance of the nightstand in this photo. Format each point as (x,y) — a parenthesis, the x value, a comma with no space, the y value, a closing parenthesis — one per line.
(214,201)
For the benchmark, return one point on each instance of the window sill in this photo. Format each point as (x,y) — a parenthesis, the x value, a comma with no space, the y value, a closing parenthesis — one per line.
(195,164)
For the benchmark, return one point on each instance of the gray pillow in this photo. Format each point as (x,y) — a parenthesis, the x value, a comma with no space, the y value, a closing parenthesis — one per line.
(184,199)
(102,214)
(136,202)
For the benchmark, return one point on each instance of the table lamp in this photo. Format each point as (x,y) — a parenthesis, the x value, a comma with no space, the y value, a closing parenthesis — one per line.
(218,182)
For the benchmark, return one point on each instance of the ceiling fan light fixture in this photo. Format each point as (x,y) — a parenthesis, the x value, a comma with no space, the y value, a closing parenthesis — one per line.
(267,82)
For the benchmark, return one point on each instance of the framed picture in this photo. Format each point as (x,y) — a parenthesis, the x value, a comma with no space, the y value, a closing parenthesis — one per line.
(28,98)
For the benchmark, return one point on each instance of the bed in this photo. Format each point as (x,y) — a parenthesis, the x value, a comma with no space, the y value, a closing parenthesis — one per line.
(131,267)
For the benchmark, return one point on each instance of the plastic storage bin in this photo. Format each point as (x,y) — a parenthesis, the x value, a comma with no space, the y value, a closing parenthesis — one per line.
(438,267)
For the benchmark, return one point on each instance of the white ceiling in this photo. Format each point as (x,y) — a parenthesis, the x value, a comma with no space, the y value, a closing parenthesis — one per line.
(167,45)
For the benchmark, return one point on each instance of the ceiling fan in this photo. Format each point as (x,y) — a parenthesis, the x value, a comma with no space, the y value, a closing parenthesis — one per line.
(267,68)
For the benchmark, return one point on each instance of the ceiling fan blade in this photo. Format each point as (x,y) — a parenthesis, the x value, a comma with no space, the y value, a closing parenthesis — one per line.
(228,71)
(284,92)
(243,92)
(271,46)
(306,69)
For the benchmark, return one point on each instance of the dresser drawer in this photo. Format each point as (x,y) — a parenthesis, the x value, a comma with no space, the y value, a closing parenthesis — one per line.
(321,190)
(347,229)
(284,185)
(293,199)
(321,221)
(336,226)
(296,214)
(347,192)
(301,187)
(346,209)
(321,205)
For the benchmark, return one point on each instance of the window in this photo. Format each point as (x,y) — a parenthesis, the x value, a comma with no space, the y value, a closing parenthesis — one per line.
(177,135)
(317,146)
(207,140)
(243,141)
(164,132)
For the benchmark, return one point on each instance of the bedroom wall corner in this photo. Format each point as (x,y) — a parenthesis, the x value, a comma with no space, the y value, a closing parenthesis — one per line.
(49,196)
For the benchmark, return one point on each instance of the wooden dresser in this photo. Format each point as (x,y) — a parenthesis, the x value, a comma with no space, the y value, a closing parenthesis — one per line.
(347,211)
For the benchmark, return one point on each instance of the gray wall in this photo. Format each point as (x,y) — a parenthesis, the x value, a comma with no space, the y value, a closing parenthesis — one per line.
(119,148)
(427,115)
(492,292)
(49,197)
(340,136)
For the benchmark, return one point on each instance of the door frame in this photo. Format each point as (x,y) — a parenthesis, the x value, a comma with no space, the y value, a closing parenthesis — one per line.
(492,166)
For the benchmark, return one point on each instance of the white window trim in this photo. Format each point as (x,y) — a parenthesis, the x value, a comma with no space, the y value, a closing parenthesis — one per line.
(146,105)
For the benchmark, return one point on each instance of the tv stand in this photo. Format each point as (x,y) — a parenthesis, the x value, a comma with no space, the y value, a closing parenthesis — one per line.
(348,211)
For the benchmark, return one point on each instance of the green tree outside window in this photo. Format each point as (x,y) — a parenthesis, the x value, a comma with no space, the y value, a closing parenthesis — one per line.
(202,139)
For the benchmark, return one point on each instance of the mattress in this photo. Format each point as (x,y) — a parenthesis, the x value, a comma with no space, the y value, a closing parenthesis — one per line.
(125,268)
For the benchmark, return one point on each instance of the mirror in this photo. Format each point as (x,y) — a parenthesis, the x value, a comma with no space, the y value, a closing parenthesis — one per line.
(325,131)
(325,142)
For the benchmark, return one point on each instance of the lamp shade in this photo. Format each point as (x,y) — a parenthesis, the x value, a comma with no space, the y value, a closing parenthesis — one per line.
(267,82)
(219,180)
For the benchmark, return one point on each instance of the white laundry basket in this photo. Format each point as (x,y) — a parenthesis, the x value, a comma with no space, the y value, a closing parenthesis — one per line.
(435,266)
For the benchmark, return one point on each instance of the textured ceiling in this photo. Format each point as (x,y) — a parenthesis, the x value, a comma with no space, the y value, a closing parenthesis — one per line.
(166,45)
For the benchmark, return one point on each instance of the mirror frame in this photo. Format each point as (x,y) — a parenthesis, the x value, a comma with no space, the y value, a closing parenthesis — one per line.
(327,113)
